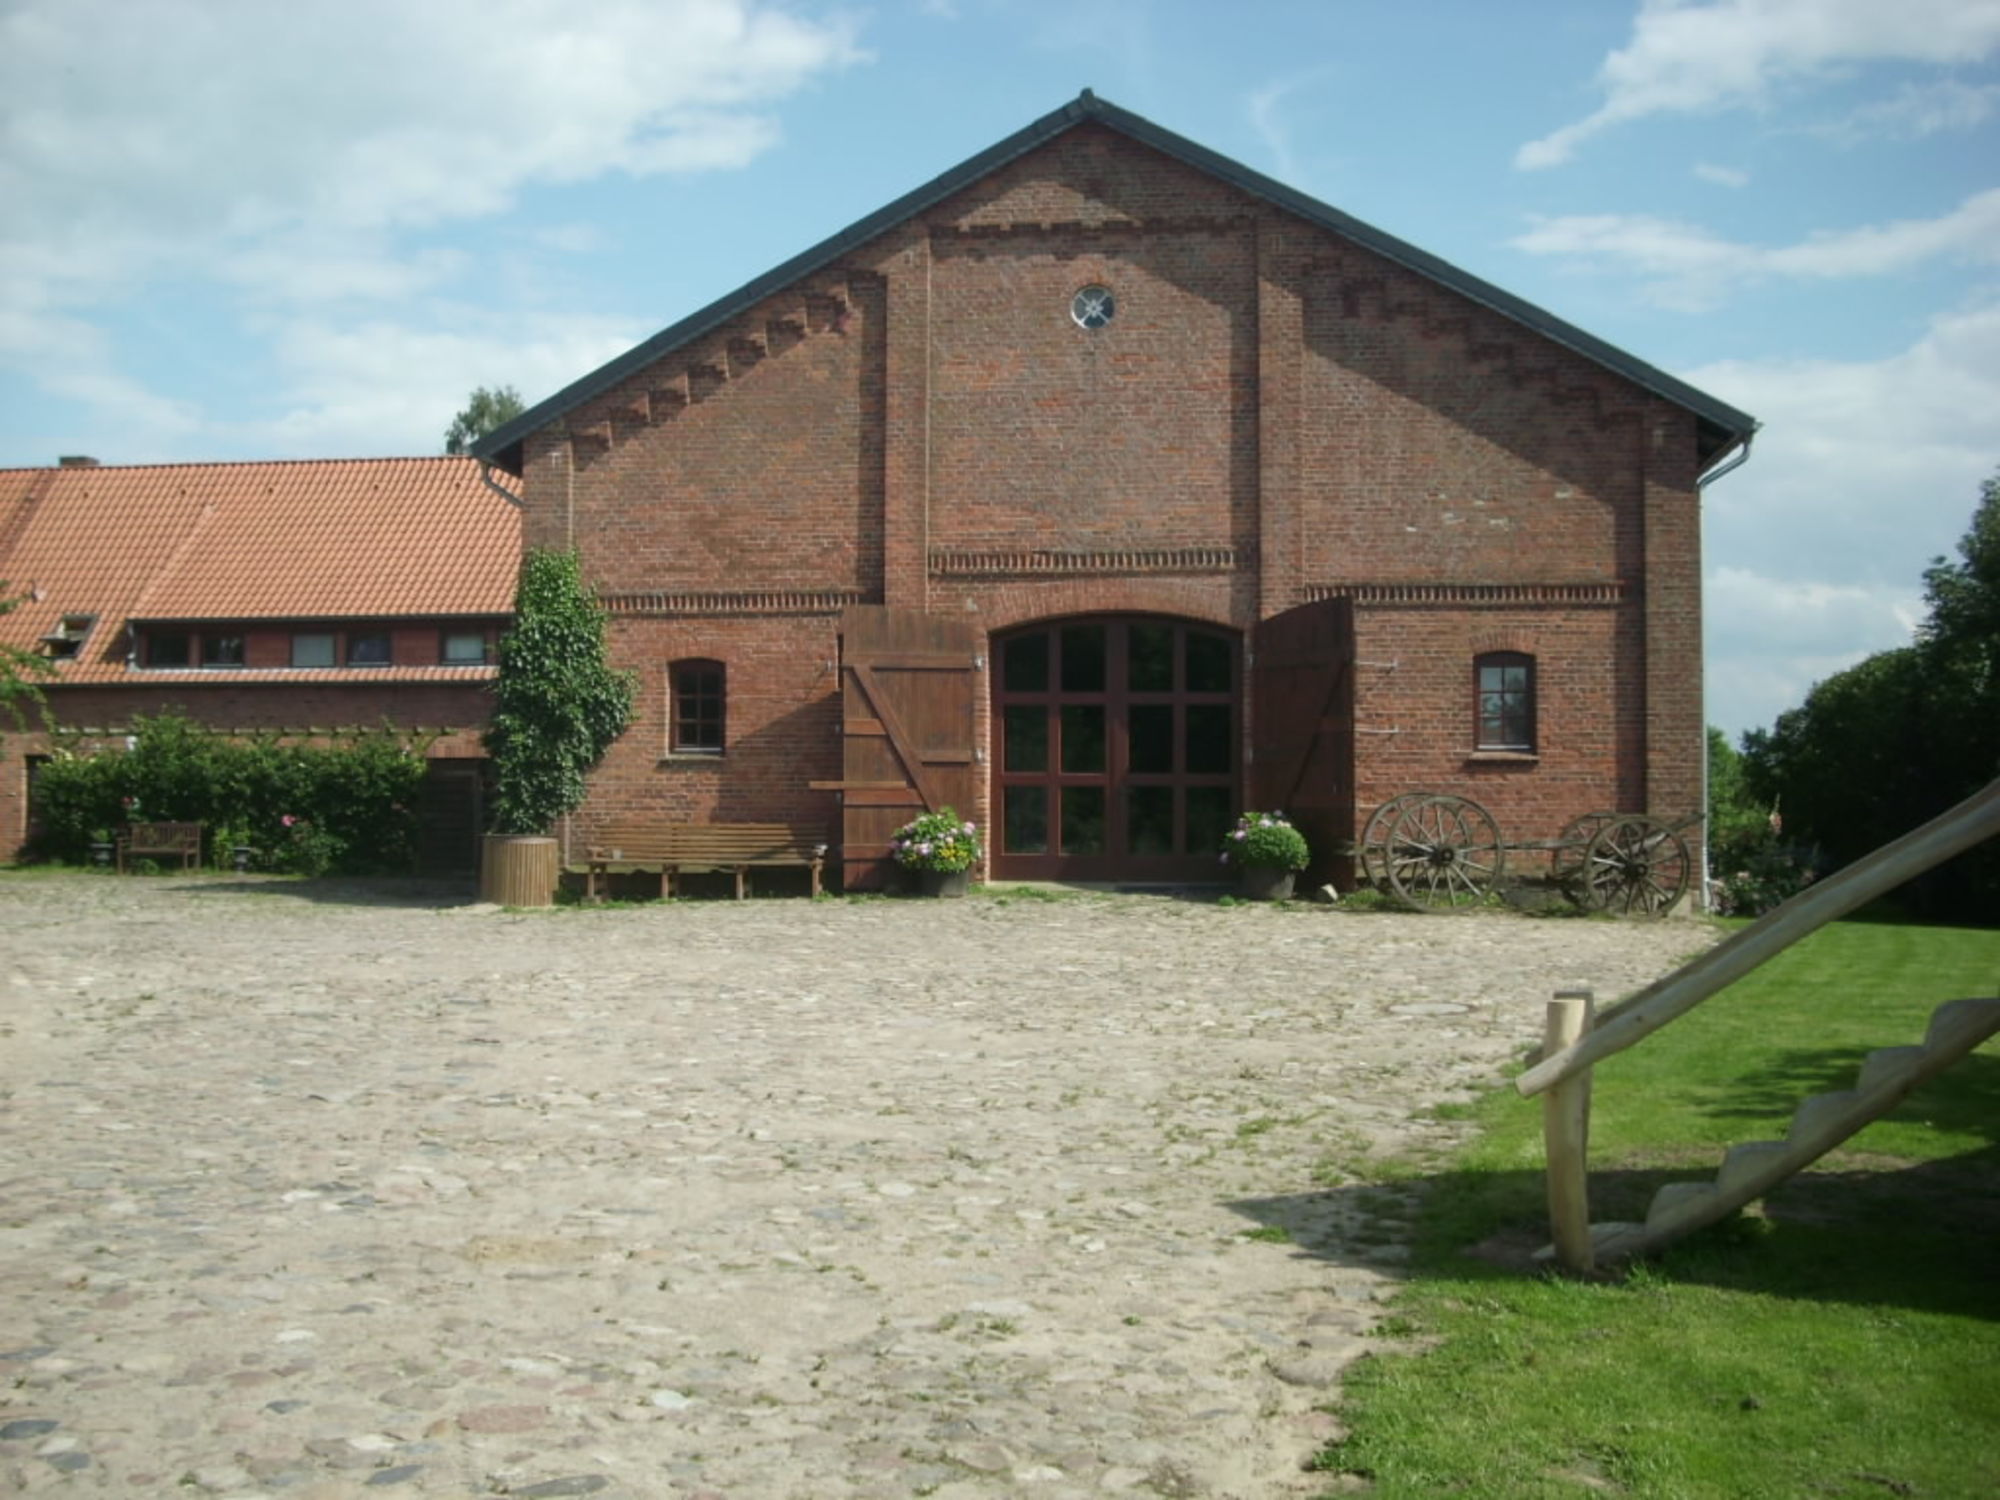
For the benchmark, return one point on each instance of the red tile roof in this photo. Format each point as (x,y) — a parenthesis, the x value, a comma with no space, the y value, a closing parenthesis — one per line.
(323,539)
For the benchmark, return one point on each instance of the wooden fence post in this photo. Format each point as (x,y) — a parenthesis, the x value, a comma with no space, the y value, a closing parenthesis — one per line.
(1566,1133)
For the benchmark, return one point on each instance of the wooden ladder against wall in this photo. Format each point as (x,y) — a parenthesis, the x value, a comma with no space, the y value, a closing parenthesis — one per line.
(1822,1122)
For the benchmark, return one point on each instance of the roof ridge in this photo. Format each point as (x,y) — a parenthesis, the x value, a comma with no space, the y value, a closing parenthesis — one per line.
(238,463)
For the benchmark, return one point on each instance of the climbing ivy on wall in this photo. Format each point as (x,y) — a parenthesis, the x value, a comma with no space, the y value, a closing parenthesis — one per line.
(558,704)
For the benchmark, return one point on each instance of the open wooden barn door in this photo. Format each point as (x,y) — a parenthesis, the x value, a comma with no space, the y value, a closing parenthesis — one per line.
(1302,687)
(909,683)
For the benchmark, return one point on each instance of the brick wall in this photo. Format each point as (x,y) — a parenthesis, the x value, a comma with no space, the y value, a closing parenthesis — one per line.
(1273,415)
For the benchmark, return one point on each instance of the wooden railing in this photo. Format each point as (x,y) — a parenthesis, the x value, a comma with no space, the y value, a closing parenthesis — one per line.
(1574,1041)
(1971,822)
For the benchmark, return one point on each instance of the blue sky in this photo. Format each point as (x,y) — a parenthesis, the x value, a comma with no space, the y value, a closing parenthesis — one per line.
(235,229)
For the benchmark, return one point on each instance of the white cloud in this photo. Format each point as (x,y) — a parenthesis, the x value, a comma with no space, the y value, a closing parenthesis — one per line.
(383,387)
(1918,111)
(1691,59)
(1264,106)
(1863,473)
(1729,177)
(1691,267)
(303,154)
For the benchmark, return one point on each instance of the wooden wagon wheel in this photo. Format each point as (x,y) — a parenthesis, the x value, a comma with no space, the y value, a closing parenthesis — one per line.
(1443,854)
(1566,859)
(1374,841)
(1636,866)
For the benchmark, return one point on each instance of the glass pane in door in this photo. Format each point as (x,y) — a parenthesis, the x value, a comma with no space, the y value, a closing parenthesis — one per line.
(1208,818)
(1027,742)
(1083,659)
(1025,820)
(1149,730)
(1208,737)
(1149,659)
(1026,666)
(1207,663)
(1083,820)
(1082,738)
(1149,819)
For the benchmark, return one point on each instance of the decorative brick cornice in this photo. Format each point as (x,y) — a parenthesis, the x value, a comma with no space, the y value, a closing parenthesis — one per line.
(1038,563)
(1460,595)
(732,602)
(1123,228)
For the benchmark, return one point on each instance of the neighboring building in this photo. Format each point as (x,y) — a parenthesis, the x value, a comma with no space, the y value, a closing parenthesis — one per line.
(1103,486)
(296,597)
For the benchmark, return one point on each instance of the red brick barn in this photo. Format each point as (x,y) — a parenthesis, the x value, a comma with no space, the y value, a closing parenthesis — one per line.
(1102,487)
(295,597)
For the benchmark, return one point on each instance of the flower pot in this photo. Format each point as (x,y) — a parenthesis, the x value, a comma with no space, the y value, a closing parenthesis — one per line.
(518,870)
(1264,883)
(943,882)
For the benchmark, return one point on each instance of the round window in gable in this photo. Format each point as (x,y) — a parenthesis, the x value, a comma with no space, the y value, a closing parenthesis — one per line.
(1092,307)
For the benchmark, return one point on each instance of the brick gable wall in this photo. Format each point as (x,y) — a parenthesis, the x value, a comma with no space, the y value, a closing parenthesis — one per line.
(1274,415)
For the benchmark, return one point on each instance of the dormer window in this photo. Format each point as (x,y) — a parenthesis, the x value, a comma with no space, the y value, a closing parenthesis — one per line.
(369,649)
(464,648)
(221,650)
(66,640)
(167,648)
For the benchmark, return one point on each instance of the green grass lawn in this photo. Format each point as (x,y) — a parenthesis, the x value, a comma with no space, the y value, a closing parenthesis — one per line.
(1842,1339)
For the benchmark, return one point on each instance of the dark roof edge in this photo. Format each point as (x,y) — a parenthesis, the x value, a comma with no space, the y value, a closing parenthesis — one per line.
(1723,424)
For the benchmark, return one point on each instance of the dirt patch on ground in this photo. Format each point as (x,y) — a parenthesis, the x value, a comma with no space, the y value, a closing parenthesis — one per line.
(311,1188)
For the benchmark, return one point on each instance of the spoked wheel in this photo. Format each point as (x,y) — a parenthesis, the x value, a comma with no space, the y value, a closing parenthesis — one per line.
(1636,866)
(1566,861)
(1443,854)
(1371,847)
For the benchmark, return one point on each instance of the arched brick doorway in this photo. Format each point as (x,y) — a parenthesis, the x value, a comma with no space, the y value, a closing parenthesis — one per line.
(1116,742)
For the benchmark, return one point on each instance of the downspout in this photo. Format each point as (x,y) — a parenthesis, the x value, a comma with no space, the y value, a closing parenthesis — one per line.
(1701,484)
(486,478)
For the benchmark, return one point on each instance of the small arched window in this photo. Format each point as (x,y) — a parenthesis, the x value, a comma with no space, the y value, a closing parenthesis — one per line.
(1504,701)
(697,693)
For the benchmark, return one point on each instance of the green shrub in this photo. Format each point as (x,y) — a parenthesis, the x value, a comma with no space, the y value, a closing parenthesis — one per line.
(1265,839)
(557,705)
(356,797)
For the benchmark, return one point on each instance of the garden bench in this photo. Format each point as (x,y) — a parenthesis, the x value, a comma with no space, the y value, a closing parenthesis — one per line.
(160,841)
(674,849)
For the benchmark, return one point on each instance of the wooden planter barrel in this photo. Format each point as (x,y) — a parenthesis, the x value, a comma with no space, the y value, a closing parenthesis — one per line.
(519,870)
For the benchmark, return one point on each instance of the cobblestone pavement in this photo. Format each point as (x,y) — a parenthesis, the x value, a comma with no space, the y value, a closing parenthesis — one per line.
(311,1190)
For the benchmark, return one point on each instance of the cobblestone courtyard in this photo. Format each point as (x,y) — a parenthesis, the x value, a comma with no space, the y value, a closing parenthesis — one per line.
(312,1190)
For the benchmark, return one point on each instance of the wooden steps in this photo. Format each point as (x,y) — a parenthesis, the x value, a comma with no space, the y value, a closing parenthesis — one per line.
(1820,1123)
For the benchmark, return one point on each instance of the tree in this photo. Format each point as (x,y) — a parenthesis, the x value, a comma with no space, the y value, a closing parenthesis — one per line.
(1904,734)
(559,705)
(484,411)
(21,673)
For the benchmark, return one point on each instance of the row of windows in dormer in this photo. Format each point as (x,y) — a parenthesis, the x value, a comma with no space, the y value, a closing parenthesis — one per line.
(227,647)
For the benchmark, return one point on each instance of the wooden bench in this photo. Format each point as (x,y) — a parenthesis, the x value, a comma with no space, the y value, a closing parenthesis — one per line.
(160,841)
(674,849)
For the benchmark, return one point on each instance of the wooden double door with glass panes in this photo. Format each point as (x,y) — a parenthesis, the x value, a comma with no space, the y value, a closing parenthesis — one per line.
(1117,744)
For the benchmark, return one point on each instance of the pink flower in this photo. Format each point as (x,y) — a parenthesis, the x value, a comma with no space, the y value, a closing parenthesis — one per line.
(288,820)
